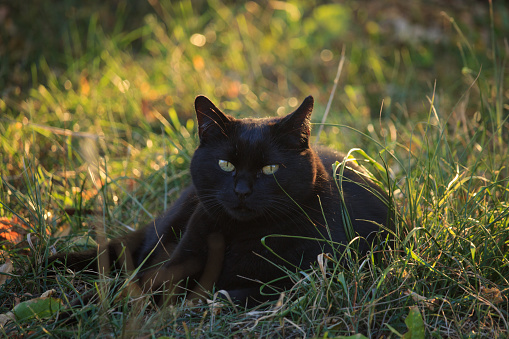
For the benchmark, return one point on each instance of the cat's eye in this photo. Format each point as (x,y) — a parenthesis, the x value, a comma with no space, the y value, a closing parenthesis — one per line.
(270,169)
(226,166)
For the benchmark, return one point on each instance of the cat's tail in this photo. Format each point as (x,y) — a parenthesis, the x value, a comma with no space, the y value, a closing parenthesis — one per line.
(119,253)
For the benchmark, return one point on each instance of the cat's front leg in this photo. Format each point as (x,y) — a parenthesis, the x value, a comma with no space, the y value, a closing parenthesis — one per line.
(198,256)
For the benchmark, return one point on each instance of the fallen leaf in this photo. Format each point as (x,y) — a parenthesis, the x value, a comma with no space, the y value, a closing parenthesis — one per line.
(215,306)
(415,324)
(42,307)
(6,317)
(48,293)
(84,242)
(429,303)
(5,271)
(12,229)
(492,294)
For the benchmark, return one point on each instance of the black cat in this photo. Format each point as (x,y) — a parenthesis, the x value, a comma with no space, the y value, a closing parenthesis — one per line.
(260,198)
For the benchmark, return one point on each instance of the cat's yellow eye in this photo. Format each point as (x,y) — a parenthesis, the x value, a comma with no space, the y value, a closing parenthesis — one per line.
(270,169)
(226,166)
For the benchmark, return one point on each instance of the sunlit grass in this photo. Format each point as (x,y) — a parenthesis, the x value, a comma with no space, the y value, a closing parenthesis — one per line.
(104,146)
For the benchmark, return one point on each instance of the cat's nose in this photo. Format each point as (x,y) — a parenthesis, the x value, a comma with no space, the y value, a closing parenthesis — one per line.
(242,189)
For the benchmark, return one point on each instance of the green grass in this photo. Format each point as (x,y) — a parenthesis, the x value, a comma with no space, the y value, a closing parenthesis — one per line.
(98,137)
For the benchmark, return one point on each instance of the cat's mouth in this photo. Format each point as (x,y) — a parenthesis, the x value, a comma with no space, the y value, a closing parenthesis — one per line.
(241,212)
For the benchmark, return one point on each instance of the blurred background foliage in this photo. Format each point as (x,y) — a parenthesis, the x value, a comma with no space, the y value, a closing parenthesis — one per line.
(279,46)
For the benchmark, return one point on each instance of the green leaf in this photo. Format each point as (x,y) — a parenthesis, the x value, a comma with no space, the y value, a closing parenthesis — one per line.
(39,308)
(415,324)
(84,241)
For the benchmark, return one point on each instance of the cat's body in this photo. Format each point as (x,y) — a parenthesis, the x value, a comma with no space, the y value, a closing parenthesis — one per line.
(260,197)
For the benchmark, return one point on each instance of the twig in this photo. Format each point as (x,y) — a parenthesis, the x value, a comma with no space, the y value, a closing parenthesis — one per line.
(336,80)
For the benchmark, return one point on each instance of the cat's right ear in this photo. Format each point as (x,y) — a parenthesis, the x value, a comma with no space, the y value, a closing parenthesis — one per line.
(211,121)
(296,126)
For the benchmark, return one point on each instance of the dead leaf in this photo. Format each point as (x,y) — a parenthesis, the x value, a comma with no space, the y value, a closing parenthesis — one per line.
(12,230)
(280,300)
(429,303)
(5,270)
(492,294)
(48,293)
(215,306)
(6,317)
(322,263)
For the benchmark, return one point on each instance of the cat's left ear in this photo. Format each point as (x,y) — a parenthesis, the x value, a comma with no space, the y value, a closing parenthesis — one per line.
(297,125)
(211,121)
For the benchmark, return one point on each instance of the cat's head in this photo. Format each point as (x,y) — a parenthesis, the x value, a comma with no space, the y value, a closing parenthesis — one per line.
(252,168)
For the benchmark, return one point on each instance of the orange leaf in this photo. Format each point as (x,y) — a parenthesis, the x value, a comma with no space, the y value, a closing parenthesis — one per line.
(12,230)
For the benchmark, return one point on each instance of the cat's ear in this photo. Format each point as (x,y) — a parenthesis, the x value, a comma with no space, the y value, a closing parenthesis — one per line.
(211,121)
(297,125)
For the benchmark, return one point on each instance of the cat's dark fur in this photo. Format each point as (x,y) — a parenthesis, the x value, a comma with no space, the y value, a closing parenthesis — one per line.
(226,212)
